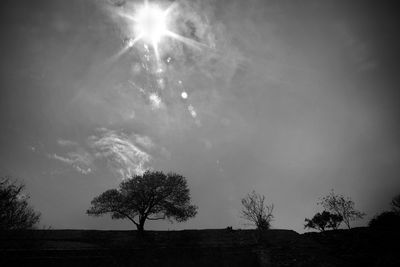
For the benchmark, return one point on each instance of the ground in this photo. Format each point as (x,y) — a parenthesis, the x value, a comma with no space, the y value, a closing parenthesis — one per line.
(220,247)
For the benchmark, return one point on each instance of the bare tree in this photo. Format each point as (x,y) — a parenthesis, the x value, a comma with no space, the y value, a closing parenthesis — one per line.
(15,212)
(256,211)
(151,196)
(342,206)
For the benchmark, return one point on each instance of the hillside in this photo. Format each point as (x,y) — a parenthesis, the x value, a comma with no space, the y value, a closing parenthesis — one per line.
(361,246)
(188,248)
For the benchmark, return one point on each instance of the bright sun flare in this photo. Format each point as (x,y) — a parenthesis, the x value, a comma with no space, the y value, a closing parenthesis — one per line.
(151,24)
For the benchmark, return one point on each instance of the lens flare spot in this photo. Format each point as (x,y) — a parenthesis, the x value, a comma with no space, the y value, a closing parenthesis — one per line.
(130,43)
(155,101)
(192,111)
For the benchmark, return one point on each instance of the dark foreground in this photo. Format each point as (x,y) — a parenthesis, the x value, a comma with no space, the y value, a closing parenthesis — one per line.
(356,247)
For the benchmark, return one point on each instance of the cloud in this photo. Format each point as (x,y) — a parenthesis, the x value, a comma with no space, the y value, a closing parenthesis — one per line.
(62,159)
(127,154)
(144,141)
(80,160)
(64,142)
(122,153)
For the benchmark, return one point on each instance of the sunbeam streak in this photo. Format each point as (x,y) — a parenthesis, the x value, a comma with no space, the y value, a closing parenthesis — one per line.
(185,40)
(129,44)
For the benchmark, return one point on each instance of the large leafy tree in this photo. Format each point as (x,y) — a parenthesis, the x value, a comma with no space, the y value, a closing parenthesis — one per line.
(343,206)
(15,211)
(151,196)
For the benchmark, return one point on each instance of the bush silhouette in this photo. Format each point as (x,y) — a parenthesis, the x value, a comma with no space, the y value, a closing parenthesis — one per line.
(386,220)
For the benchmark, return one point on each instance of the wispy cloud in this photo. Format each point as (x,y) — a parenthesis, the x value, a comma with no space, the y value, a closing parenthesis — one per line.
(80,160)
(122,152)
(144,141)
(127,154)
(65,142)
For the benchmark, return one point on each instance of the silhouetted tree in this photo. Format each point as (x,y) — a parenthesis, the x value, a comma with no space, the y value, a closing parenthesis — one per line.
(256,211)
(386,220)
(15,212)
(343,206)
(396,204)
(151,196)
(324,220)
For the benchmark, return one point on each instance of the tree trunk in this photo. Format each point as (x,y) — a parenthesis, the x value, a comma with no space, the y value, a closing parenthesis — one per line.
(140,226)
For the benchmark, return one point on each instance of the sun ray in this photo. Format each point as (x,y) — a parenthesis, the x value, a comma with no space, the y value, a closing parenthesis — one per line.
(134,41)
(130,44)
(127,16)
(170,8)
(185,40)
(156,53)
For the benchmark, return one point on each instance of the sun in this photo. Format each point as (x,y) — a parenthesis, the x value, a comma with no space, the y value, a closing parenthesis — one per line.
(150,24)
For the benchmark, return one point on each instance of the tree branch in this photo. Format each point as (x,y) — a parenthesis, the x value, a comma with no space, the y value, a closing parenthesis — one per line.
(127,216)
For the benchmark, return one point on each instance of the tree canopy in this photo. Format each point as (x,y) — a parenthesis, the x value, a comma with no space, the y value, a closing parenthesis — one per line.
(324,220)
(15,211)
(151,196)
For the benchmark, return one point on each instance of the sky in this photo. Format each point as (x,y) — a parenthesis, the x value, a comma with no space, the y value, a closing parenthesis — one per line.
(288,98)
